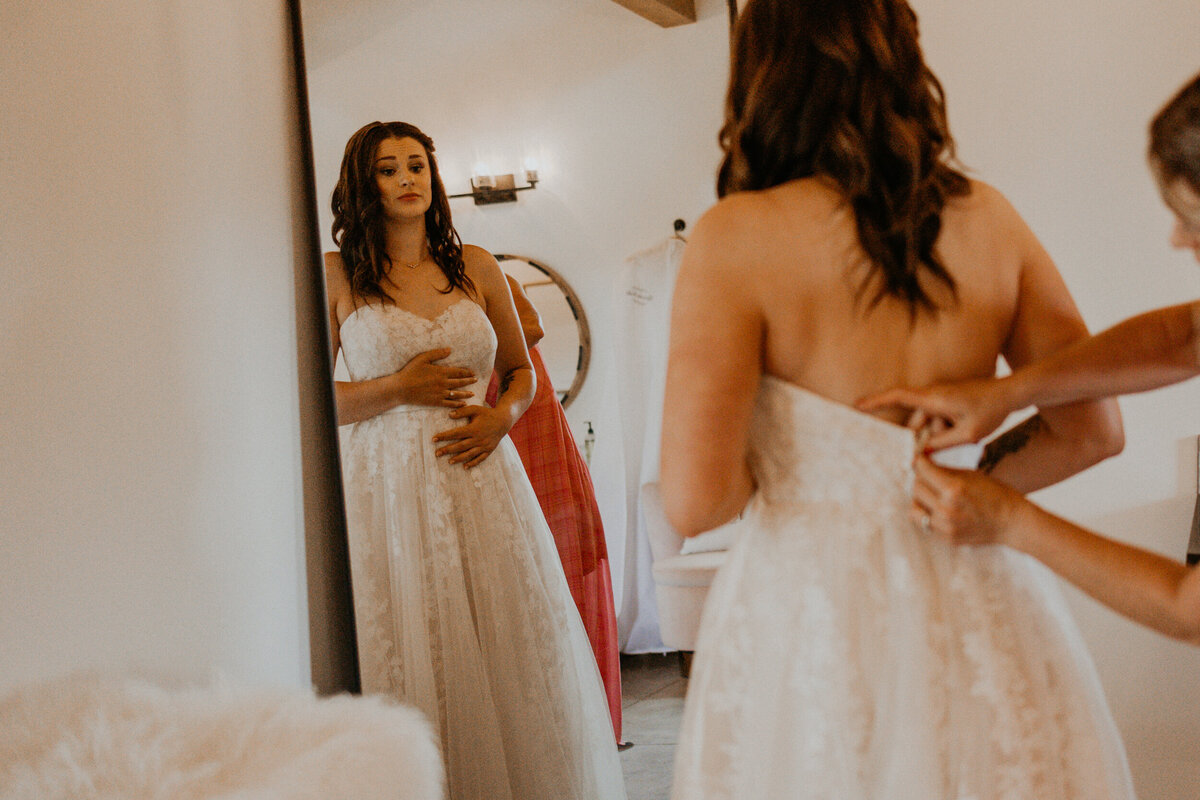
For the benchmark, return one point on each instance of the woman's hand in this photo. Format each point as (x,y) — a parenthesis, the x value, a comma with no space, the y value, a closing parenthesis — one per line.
(470,444)
(956,413)
(964,506)
(424,383)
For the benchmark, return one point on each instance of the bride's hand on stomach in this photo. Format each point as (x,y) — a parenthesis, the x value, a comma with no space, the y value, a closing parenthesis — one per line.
(471,443)
(424,383)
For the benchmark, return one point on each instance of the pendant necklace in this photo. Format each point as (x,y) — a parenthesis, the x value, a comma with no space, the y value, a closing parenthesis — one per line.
(416,263)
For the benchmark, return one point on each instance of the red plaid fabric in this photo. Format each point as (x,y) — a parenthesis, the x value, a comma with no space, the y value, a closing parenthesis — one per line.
(564,490)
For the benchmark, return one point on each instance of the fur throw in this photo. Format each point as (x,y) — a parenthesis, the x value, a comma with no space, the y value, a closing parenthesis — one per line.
(88,738)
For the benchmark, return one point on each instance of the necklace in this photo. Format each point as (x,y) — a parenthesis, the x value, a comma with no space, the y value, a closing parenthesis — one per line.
(416,263)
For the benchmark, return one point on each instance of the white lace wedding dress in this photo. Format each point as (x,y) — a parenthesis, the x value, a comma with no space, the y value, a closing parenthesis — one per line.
(460,602)
(844,655)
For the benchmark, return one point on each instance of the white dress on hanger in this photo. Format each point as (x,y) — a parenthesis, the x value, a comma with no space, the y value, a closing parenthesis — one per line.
(642,316)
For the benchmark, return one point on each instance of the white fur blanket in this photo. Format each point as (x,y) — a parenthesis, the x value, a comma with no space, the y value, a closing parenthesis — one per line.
(87,738)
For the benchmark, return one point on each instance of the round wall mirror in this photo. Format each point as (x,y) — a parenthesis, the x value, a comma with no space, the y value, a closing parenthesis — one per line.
(567,345)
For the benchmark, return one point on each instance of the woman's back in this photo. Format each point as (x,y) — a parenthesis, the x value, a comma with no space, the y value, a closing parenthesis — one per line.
(809,277)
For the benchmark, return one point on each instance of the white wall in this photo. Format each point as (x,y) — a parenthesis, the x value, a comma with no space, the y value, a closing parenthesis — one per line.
(150,476)
(1047,101)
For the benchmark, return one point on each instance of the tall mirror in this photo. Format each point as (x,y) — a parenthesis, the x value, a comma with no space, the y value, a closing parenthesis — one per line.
(617,116)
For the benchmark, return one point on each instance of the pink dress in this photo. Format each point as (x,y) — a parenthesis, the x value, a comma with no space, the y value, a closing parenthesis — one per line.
(563,487)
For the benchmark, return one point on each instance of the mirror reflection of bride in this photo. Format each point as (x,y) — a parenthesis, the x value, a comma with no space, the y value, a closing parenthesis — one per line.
(460,603)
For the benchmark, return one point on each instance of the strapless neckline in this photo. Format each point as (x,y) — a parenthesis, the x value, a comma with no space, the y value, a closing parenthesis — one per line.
(887,428)
(427,320)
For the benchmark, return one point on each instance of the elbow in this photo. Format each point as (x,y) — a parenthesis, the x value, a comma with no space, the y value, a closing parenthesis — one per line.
(1098,435)
(689,513)
(697,509)
(1185,628)
(687,523)
(1109,439)
(533,334)
(1185,611)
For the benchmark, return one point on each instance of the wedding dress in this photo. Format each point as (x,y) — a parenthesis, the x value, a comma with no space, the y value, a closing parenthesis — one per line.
(845,655)
(460,603)
(563,486)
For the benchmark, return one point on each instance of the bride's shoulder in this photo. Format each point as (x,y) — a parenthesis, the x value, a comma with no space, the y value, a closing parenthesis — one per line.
(981,199)
(479,263)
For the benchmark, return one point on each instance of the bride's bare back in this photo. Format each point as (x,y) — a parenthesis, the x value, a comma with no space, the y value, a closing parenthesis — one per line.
(772,283)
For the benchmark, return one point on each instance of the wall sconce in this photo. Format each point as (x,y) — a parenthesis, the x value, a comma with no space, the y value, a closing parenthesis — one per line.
(487,188)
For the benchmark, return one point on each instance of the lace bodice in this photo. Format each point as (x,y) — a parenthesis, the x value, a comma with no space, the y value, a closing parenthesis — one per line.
(807,450)
(379,339)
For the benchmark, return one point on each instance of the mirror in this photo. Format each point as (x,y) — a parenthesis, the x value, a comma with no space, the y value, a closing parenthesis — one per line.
(567,346)
(617,115)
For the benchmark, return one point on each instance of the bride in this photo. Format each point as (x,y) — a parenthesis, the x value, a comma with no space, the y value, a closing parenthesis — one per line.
(843,653)
(461,607)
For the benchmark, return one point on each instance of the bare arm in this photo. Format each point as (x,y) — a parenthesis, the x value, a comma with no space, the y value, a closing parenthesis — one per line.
(473,442)
(713,373)
(531,320)
(1151,350)
(1146,352)
(419,382)
(969,508)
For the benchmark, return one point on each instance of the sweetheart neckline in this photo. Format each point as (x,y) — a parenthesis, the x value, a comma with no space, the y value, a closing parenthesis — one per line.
(427,320)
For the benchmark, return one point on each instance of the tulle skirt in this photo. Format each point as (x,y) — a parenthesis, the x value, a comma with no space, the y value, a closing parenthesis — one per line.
(844,656)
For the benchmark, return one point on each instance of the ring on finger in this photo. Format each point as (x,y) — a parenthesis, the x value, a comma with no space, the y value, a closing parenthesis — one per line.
(926,523)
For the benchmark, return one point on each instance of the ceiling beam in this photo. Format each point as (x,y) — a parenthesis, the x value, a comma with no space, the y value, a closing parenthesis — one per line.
(666,13)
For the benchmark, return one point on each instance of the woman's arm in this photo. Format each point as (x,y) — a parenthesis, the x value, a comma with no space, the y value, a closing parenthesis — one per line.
(486,426)
(419,382)
(1151,350)
(531,320)
(1063,440)
(713,372)
(969,508)
(1146,352)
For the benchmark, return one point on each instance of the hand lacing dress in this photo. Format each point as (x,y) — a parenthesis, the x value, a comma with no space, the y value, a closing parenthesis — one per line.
(844,655)
(460,603)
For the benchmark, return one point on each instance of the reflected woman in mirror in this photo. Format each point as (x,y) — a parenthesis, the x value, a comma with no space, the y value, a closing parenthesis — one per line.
(1154,349)
(564,489)
(460,604)
(841,654)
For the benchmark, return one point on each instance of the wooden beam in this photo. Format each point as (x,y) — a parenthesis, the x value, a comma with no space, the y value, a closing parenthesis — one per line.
(666,13)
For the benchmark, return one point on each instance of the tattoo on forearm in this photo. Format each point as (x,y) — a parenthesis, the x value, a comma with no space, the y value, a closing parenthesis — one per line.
(1010,442)
(506,381)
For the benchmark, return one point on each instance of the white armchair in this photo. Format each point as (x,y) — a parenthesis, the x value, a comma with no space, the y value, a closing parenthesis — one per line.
(683,570)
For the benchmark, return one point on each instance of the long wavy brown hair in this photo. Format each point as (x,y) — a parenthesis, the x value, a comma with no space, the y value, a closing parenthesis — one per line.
(358,222)
(839,89)
(1175,137)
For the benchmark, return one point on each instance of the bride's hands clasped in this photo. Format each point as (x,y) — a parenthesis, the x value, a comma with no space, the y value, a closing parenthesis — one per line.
(471,443)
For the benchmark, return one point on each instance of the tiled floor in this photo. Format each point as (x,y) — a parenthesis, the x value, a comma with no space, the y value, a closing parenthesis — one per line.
(652,706)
